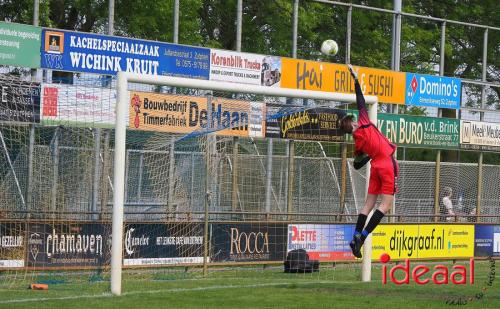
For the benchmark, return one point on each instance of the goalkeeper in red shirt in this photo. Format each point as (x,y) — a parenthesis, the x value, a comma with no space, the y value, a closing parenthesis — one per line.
(371,144)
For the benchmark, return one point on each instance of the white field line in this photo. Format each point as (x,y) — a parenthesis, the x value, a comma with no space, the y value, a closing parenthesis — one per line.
(176,290)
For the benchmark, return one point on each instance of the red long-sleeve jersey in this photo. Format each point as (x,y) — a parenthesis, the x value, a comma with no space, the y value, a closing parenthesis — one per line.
(367,138)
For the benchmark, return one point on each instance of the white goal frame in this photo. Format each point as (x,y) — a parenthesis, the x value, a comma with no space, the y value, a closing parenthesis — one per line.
(122,105)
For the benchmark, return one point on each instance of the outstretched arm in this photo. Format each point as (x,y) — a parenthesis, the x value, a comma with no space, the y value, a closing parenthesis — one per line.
(360,99)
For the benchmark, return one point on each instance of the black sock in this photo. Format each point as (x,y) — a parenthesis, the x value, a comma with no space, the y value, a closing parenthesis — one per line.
(372,224)
(361,223)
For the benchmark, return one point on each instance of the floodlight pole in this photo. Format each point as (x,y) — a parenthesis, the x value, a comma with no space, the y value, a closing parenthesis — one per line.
(366,267)
(122,104)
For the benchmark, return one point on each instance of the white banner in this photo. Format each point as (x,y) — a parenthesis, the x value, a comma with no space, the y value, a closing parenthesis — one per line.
(162,261)
(78,105)
(479,135)
(257,119)
(243,68)
(11,263)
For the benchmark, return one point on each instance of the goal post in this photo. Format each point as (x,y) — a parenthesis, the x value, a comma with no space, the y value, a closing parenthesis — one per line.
(122,105)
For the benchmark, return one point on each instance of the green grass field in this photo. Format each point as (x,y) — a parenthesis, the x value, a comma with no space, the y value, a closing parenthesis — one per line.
(245,287)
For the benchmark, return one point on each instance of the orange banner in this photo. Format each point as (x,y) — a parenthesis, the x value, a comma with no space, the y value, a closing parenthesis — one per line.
(185,114)
(388,86)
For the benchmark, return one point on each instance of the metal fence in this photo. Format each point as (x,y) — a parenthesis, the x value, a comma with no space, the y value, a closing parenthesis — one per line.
(163,187)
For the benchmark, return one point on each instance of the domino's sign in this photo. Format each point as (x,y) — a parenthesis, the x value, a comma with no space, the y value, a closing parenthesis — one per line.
(433,91)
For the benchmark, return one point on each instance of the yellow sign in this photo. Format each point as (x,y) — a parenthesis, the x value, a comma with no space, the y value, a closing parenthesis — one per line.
(186,114)
(423,241)
(388,86)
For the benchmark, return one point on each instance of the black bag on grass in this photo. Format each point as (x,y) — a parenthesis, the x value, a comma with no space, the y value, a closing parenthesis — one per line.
(297,261)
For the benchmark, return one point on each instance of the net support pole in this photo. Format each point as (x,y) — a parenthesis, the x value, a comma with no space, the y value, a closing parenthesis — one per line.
(343,179)
(366,267)
(119,186)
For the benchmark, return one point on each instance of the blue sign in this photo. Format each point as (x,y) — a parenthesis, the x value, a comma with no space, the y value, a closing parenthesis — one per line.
(107,55)
(483,240)
(433,91)
(487,240)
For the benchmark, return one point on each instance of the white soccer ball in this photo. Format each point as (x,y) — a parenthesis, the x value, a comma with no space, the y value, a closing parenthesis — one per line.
(329,47)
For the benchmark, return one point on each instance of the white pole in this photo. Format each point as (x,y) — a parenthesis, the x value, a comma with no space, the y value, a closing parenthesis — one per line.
(243,88)
(119,185)
(366,267)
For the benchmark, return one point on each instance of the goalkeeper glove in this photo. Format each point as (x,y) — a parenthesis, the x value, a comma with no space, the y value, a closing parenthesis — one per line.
(361,160)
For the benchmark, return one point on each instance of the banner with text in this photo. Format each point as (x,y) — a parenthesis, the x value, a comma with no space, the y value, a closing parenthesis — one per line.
(388,86)
(12,244)
(425,132)
(324,242)
(188,114)
(487,240)
(78,105)
(316,124)
(248,242)
(20,45)
(68,245)
(423,241)
(101,54)
(163,244)
(244,68)
(19,101)
(477,135)
(433,91)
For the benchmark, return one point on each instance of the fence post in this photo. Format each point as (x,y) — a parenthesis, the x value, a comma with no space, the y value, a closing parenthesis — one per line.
(234,193)
(269,174)
(348,36)
(291,176)
(171,179)
(437,180)
(176,21)
(208,158)
(29,180)
(479,186)
(295,27)
(343,179)
(97,172)
(104,174)
(55,172)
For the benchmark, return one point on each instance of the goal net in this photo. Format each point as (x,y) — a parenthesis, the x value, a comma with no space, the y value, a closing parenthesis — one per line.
(212,175)
(233,163)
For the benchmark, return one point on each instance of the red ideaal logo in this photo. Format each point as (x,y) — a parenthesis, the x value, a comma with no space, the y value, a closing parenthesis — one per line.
(440,274)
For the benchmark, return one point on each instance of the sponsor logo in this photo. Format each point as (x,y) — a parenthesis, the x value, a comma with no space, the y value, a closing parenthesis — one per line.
(249,245)
(302,238)
(35,242)
(60,244)
(50,95)
(136,105)
(441,274)
(132,242)
(11,241)
(54,42)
